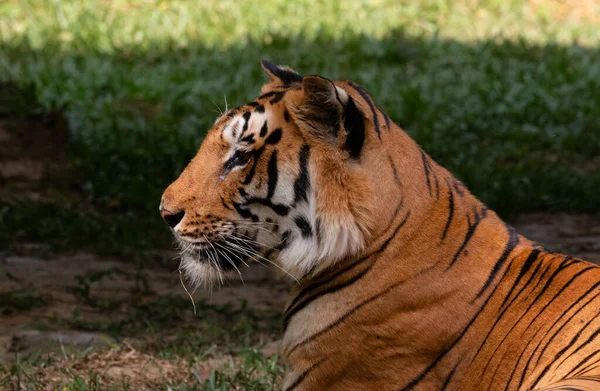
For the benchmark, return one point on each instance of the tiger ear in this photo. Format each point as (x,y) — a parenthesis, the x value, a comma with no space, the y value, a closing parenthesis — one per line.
(280,73)
(330,113)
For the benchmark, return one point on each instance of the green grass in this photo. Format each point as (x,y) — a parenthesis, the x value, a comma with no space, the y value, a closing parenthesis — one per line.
(503,94)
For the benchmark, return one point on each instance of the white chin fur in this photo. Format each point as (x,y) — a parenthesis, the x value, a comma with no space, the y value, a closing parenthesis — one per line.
(304,256)
(338,238)
(201,272)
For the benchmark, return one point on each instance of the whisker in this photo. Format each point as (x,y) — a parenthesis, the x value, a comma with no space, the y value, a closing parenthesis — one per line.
(225,248)
(252,241)
(186,291)
(253,222)
(214,261)
(250,252)
(258,227)
(231,262)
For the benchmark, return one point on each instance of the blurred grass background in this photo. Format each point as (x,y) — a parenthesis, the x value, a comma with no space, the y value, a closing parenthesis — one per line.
(504,93)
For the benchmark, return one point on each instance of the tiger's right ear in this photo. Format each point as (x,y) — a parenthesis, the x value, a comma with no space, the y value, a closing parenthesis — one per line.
(329,112)
(278,73)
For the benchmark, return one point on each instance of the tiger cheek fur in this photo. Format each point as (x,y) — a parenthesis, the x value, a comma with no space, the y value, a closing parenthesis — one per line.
(282,187)
(406,281)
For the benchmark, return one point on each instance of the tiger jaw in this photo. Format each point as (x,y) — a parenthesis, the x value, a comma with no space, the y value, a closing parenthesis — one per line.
(203,262)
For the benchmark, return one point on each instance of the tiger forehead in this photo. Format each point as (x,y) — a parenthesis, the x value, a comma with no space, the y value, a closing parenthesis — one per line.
(254,127)
(246,127)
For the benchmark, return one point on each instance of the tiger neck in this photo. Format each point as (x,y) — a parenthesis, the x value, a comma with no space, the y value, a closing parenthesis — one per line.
(439,243)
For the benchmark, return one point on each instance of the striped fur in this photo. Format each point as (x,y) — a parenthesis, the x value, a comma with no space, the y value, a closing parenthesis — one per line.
(406,280)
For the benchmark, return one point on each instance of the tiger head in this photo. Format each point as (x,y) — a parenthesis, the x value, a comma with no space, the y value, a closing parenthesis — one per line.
(279,180)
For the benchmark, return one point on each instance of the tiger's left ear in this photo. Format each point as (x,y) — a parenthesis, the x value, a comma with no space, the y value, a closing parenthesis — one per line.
(282,74)
(330,113)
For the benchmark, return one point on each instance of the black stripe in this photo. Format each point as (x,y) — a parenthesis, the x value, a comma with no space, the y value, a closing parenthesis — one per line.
(303,375)
(246,116)
(286,115)
(584,306)
(459,187)
(272,175)
(394,171)
(386,118)
(245,213)
(305,227)
(564,350)
(224,203)
(367,99)
(568,261)
(294,309)
(234,130)
(280,209)
(346,315)
(263,129)
(297,303)
(249,139)
(318,229)
(450,211)
(285,240)
(498,319)
(302,183)
(355,128)
(316,284)
(576,337)
(513,241)
(470,232)
(533,256)
(274,137)
(449,378)
(268,94)
(512,374)
(430,173)
(277,97)
(256,156)
(564,287)
(447,350)
(260,109)
(585,360)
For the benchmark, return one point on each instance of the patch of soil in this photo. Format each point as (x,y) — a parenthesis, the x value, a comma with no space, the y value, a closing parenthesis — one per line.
(575,235)
(57,281)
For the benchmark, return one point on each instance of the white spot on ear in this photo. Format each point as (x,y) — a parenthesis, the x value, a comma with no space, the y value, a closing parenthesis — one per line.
(342,94)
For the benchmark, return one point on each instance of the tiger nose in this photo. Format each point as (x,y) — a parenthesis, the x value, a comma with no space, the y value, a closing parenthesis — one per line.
(171,217)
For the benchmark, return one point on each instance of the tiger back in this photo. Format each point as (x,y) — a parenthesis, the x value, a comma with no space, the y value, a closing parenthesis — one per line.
(405,281)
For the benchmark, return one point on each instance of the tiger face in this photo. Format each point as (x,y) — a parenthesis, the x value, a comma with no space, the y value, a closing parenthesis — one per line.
(275,181)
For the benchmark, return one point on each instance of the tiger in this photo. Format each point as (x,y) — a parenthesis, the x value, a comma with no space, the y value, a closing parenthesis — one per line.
(402,279)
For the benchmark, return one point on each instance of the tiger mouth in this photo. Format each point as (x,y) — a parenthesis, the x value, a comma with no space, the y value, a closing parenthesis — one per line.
(221,255)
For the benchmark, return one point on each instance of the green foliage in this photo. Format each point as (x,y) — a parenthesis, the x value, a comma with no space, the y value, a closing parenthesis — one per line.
(64,226)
